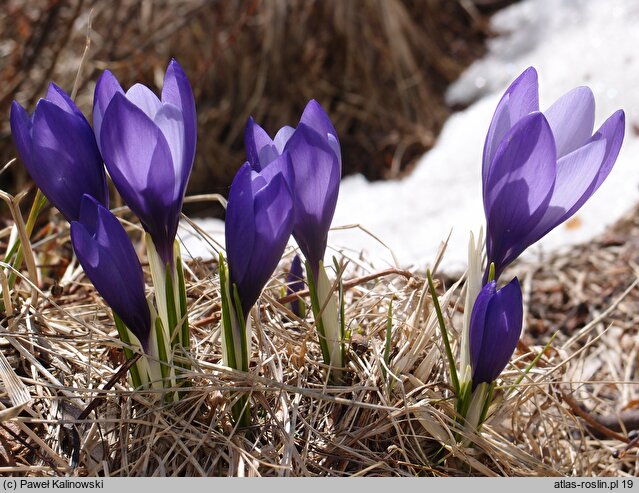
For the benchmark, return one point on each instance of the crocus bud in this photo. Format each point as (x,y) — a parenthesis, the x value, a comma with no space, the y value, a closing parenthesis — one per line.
(109,260)
(540,168)
(495,327)
(259,219)
(58,149)
(295,283)
(148,146)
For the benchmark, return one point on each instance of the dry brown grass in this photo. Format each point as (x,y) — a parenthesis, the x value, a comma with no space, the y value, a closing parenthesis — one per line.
(64,349)
(379,67)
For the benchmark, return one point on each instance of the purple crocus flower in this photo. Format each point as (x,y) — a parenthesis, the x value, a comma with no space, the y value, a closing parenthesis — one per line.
(59,151)
(109,260)
(317,168)
(148,146)
(540,168)
(259,220)
(495,327)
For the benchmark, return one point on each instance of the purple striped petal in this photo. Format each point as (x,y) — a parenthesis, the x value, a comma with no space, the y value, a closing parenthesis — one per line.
(260,149)
(106,87)
(145,99)
(518,188)
(176,90)
(520,99)
(316,118)
(240,225)
(21,125)
(612,131)
(572,118)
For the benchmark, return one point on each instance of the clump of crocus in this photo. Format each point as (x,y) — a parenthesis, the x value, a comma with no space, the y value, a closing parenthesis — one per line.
(148,145)
(58,148)
(259,220)
(317,164)
(109,260)
(540,168)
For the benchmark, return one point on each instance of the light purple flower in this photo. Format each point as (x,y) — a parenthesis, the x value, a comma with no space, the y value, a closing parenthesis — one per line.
(259,220)
(148,146)
(59,151)
(317,167)
(495,327)
(109,260)
(540,168)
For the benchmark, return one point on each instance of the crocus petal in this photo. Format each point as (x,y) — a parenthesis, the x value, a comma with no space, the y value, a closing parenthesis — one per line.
(240,225)
(139,161)
(145,99)
(176,90)
(273,223)
(572,118)
(106,87)
(317,176)
(65,161)
(260,150)
(282,137)
(518,188)
(612,131)
(576,175)
(281,165)
(21,132)
(109,260)
(520,99)
(316,118)
(60,98)
(495,328)
(169,120)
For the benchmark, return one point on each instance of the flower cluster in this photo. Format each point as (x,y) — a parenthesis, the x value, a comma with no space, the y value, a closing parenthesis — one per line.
(148,147)
(289,185)
(538,169)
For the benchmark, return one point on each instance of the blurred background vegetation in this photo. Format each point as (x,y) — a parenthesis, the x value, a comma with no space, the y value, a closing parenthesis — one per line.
(379,67)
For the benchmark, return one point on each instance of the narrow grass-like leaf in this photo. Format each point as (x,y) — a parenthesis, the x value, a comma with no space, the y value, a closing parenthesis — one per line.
(534,362)
(440,318)
(227,326)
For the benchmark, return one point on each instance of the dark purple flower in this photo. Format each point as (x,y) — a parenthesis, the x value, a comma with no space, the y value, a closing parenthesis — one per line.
(539,169)
(295,283)
(317,168)
(59,151)
(495,327)
(259,219)
(148,146)
(109,260)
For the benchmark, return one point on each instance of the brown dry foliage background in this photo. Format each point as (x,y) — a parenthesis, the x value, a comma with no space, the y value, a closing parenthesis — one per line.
(379,67)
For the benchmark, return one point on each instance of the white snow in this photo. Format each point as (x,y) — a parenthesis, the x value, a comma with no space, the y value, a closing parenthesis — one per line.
(570,43)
